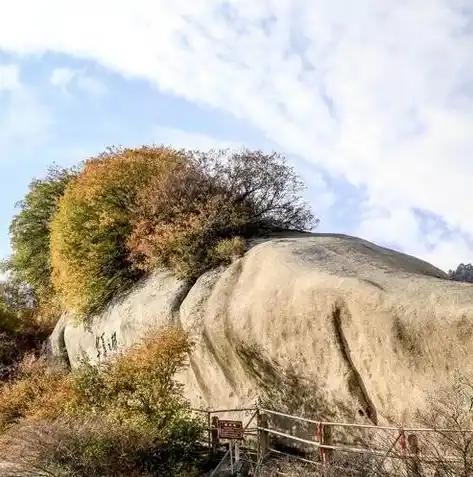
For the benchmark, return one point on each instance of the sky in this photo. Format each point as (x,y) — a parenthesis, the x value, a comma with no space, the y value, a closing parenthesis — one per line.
(370,100)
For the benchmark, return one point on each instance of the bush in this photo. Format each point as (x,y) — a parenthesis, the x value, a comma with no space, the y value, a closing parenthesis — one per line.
(30,231)
(126,417)
(199,216)
(93,222)
(179,218)
(20,332)
(25,396)
(140,384)
(96,448)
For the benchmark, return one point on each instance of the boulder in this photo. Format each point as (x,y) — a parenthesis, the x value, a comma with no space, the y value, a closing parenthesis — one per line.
(324,325)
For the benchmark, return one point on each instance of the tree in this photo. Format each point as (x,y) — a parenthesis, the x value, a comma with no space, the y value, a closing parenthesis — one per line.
(264,183)
(30,262)
(463,273)
(17,296)
(199,216)
(93,222)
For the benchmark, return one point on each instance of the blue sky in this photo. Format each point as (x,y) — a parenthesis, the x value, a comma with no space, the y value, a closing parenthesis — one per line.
(371,101)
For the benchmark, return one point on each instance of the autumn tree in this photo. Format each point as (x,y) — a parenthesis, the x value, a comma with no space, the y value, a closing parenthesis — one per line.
(94,220)
(264,183)
(199,216)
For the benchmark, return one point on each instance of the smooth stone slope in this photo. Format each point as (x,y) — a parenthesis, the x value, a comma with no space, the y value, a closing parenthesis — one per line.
(326,325)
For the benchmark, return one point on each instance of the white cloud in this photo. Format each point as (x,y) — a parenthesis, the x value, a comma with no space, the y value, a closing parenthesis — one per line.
(9,77)
(379,93)
(65,78)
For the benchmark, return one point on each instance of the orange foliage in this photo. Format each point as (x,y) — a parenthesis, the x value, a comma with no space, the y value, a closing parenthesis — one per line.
(94,220)
(180,217)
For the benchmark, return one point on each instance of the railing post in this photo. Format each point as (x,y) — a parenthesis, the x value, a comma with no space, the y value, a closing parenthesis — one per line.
(327,440)
(413,462)
(263,435)
(215,437)
(209,431)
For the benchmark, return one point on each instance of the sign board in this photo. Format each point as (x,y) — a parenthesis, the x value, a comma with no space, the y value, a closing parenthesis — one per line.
(232,430)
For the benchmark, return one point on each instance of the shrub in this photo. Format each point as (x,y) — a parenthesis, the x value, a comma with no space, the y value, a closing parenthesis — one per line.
(199,216)
(20,333)
(139,385)
(227,250)
(8,349)
(93,222)
(126,417)
(96,448)
(29,393)
(178,220)
(30,231)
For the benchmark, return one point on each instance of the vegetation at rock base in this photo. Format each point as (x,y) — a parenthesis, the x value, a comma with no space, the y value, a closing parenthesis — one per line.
(127,417)
(21,333)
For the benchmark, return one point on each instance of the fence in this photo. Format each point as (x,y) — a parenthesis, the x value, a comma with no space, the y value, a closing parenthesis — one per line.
(387,447)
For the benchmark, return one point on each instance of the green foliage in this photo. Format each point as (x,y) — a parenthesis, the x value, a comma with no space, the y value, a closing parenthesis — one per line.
(139,385)
(8,331)
(30,231)
(227,250)
(463,273)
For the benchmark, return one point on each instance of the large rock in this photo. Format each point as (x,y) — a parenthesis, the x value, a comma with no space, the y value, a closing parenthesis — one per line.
(327,325)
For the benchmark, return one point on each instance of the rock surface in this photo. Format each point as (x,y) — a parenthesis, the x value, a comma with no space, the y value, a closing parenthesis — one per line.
(325,325)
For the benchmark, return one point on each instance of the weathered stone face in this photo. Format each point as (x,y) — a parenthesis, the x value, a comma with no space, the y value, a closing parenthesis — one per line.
(325,325)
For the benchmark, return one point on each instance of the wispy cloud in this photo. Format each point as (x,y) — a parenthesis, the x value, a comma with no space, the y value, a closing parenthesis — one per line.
(66,78)
(375,93)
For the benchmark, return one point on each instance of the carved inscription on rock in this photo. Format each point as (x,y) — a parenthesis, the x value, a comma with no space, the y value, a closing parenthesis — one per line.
(105,346)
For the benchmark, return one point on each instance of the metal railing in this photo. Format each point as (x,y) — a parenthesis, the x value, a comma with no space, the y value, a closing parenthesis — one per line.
(388,451)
